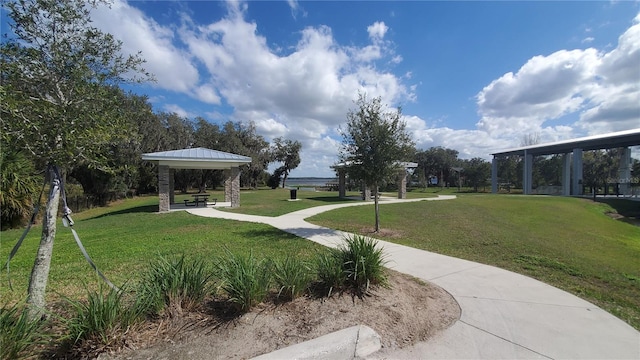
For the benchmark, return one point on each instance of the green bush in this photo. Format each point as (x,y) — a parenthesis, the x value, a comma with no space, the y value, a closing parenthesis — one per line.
(363,263)
(103,319)
(355,265)
(292,276)
(244,279)
(174,282)
(18,334)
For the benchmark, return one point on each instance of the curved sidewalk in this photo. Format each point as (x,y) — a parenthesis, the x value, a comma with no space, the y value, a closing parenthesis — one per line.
(504,315)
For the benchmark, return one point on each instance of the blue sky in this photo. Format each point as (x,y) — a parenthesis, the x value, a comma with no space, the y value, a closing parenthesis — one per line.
(473,76)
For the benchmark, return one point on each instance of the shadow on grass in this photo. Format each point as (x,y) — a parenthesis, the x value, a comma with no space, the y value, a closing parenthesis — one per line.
(627,210)
(330,199)
(137,209)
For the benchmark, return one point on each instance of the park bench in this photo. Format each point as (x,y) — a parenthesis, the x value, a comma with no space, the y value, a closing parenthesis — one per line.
(199,199)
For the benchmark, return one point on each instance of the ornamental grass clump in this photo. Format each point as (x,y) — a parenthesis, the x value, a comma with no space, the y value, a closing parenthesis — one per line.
(244,279)
(362,263)
(174,284)
(19,334)
(329,271)
(103,320)
(292,277)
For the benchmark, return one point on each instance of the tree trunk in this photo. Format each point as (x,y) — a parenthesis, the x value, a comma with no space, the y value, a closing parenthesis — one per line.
(42,264)
(375,200)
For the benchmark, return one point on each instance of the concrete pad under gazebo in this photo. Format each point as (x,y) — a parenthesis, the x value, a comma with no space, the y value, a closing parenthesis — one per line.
(197,158)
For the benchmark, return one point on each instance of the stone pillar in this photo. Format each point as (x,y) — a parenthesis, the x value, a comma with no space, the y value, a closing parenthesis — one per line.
(402,184)
(576,183)
(527,173)
(172,186)
(494,175)
(342,183)
(232,186)
(566,175)
(624,172)
(163,188)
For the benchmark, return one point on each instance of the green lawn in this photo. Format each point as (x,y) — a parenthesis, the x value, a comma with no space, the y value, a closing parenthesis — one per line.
(123,237)
(276,202)
(566,242)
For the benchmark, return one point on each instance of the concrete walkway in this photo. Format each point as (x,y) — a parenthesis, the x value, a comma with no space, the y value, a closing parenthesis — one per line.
(504,315)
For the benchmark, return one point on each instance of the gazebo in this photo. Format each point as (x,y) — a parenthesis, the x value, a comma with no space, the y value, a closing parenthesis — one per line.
(401,179)
(572,159)
(197,158)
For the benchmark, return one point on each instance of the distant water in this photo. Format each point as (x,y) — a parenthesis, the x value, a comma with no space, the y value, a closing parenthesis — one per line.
(309,181)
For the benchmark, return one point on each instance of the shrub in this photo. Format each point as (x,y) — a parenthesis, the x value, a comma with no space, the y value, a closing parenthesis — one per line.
(103,319)
(363,263)
(292,277)
(245,279)
(174,282)
(18,334)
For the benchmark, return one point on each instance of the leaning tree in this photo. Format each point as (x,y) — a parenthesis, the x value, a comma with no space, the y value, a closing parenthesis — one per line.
(374,141)
(58,78)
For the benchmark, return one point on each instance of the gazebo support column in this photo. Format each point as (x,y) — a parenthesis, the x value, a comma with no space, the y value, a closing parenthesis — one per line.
(163,187)
(624,172)
(527,176)
(576,183)
(494,175)
(342,183)
(172,186)
(402,184)
(232,186)
(566,175)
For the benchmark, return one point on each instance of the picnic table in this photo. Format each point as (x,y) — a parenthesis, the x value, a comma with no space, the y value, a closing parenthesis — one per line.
(198,199)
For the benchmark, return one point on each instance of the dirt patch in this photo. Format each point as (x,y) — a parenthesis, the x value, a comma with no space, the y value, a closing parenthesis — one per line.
(409,311)
(386,233)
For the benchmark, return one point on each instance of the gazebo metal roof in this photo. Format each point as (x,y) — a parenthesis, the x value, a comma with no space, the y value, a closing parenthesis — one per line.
(603,141)
(197,158)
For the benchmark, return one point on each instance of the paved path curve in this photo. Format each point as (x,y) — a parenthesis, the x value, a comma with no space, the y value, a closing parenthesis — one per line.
(504,315)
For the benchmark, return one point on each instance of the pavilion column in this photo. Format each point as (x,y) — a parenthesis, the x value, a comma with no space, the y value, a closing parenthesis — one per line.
(342,183)
(172,186)
(402,184)
(494,175)
(527,173)
(566,175)
(163,187)
(576,184)
(232,186)
(624,172)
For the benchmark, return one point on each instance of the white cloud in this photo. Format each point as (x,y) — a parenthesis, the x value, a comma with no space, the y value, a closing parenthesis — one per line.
(173,108)
(377,30)
(172,68)
(603,88)
(587,40)
(303,93)
(295,8)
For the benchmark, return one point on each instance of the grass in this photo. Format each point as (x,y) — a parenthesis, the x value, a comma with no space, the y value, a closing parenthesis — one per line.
(174,283)
(362,262)
(18,334)
(566,242)
(102,320)
(292,277)
(125,237)
(276,202)
(245,279)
